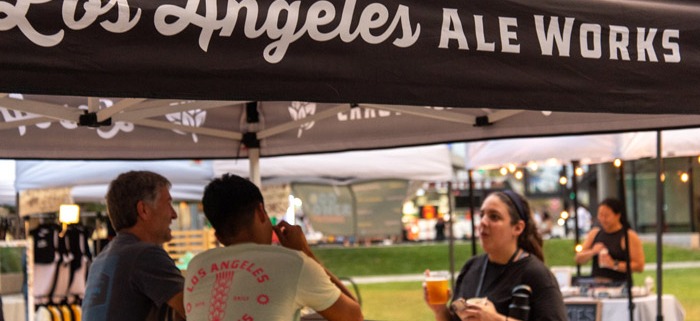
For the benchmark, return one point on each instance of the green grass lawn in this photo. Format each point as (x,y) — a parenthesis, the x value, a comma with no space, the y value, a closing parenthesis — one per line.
(403,300)
(416,257)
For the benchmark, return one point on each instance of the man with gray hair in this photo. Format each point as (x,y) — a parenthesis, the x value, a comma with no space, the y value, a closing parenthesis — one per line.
(133,278)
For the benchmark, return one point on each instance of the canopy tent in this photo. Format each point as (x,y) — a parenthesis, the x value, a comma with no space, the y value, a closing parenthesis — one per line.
(49,127)
(7,182)
(493,66)
(633,56)
(588,149)
(499,61)
(89,179)
(428,163)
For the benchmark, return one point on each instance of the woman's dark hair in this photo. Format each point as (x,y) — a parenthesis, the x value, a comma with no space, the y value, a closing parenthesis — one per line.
(529,240)
(618,207)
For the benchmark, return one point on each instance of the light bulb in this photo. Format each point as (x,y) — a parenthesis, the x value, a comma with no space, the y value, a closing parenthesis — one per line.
(617,162)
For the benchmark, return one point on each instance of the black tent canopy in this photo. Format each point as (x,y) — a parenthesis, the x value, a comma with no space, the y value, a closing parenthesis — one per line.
(148,79)
(581,55)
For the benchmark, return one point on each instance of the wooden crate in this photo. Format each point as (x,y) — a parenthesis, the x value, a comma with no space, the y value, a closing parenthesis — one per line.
(193,241)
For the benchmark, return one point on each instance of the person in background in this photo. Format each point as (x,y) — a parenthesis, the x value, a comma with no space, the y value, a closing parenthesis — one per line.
(250,279)
(513,258)
(546,225)
(440,229)
(133,278)
(605,245)
(584,219)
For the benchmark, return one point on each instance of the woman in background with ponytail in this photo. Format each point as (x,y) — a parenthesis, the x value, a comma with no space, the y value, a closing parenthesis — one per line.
(605,244)
(513,260)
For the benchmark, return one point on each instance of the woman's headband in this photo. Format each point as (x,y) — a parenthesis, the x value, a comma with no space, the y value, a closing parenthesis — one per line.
(519,207)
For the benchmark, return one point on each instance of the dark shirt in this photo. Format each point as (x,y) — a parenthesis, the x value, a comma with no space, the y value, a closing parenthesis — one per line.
(130,280)
(546,302)
(612,241)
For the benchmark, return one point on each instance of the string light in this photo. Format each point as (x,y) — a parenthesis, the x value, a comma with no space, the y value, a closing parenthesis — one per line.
(512,168)
(578,248)
(519,175)
(503,171)
(617,162)
(564,215)
(563,180)
(533,165)
(684,177)
(578,171)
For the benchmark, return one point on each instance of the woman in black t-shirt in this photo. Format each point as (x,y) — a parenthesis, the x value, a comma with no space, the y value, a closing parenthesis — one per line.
(513,260)
(606,245)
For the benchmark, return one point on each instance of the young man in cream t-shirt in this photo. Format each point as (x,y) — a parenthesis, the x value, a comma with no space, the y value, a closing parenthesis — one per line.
(249,279)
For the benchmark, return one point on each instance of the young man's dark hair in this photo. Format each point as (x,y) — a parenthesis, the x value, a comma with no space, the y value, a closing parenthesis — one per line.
(229,204)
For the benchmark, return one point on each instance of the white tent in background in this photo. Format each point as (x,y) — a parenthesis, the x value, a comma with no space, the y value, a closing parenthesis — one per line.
(89,179)
(7,182)
(588,149)
(676,143)
(431,163)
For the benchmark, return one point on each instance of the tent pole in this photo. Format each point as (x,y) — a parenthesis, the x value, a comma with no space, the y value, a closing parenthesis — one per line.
(635,216)
(690,194)
(565,200)
(628,273)
(471,210)
(574,188)
(451,240)
(659,225)
(252,142)
(254,163)
(621,185)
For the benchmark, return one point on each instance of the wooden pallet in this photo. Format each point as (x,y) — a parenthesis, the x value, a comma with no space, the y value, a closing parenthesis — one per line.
(193,241)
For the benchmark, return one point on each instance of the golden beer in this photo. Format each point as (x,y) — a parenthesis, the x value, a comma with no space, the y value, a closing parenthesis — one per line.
(437,287)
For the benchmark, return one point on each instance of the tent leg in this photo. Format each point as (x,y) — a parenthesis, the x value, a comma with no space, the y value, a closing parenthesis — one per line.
(254,161)
(659,226)
(471,210)
(574,188)
(451,240)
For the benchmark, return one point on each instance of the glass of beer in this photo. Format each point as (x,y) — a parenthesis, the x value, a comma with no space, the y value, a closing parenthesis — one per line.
(437,286)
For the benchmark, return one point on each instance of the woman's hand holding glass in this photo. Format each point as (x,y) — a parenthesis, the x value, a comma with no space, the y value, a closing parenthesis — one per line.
(436,301)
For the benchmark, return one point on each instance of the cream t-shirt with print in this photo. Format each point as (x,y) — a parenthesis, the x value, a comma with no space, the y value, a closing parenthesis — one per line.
(254,282)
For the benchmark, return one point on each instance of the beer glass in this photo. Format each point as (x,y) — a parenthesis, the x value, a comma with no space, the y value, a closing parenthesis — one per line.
(437,286)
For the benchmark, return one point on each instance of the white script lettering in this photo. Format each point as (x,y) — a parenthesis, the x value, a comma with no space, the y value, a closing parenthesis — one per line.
(373,26)
(16,16)
(94,9)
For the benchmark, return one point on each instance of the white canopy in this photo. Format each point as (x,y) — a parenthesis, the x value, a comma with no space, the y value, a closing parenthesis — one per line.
(415,163)
(7,181)
(89,179)
(589,149)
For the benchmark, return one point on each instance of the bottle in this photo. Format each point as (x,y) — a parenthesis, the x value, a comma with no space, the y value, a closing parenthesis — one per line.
(600,255)
(649,283)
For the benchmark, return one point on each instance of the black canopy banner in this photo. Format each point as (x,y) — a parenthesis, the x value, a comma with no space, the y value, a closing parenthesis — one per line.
(634,56)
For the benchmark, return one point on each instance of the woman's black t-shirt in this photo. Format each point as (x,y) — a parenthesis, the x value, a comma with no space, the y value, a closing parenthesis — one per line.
(546,302)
